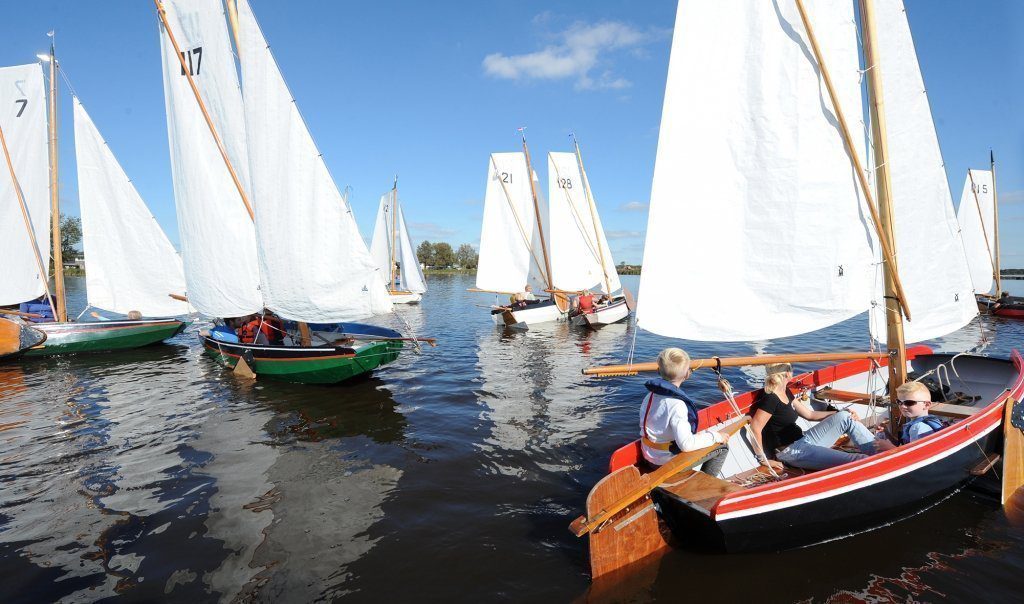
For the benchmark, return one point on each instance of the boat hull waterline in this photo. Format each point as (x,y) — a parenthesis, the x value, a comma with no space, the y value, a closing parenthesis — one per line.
(405,297)
(844,500)
(103,336)
(544,312)
(603,315)
(306,365)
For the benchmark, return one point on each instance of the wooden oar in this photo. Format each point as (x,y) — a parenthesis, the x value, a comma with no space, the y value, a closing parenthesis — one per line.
(365,336)
(768,359)
(179,297)
(1013,451)
(16,313)
(681,462)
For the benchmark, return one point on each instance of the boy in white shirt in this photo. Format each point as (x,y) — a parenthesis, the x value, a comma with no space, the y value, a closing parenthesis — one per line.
(668,418)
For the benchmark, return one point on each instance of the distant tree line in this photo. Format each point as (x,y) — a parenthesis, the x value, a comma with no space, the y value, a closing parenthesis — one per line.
(441,255)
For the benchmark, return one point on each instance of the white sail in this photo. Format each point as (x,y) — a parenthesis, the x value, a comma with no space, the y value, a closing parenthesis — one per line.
(757,228)
(580,258)
(380,245)
(411,274)
(976,215)
(313,263)
(218,241)
(23,119)
(929,252)
(132,265)
(510,251)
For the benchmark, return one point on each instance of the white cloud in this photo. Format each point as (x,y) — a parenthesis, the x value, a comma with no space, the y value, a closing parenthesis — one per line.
(576,55)
(624,234)
(1012,197)
(634,206)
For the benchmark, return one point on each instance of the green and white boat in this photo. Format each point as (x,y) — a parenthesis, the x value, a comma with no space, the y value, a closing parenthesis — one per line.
(263,225)
(132,265)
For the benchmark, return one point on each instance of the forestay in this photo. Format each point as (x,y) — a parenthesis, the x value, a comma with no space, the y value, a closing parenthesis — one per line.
(313,263)
(132,265)
(23,119)
(411,274)
(929,251)
(510,251)
(217,236)
(580,258)
(976,215)
(757,228)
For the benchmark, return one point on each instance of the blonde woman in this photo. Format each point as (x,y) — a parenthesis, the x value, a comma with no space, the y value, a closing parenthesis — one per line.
(777,433)
(668,418)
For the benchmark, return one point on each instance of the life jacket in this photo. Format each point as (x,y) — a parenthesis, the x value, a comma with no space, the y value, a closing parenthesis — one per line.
(587,304)
(247,333)
(663,387)
(273,328)
(931,420)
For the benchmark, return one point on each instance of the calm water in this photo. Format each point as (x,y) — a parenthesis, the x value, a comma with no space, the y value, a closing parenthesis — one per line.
(154,474)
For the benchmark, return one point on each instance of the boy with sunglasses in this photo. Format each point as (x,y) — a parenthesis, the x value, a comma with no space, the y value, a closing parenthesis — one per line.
(915,400)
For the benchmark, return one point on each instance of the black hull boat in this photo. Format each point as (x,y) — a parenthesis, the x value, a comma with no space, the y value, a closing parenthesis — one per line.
(753,511)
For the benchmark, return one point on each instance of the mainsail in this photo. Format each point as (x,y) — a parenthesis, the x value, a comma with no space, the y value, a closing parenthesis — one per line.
(132,265)
(313,264)
(976,215)
(23,119)
(756,227)
(218,241)
(929,252)
(391,243)
(510,254)
(580,258)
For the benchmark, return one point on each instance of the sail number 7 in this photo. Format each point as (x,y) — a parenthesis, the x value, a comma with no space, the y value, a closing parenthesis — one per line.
(188,56)
(24,103)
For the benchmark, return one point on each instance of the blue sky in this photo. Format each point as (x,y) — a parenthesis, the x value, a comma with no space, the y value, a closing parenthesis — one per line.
(427,89)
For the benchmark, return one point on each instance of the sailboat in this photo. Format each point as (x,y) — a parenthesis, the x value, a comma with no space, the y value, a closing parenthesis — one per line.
(978,216)
(795,225)
(581,260)
(263,224)
(394,253)
(513,249)
(132,265)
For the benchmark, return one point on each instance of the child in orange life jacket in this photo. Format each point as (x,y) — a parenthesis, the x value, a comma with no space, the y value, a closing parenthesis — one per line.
(668,418)
(250,332)
(915,401)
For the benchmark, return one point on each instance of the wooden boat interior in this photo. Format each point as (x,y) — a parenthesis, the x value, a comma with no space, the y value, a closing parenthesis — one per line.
(973,383)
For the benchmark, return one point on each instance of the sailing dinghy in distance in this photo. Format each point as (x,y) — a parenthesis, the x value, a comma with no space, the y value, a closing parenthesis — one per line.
(263,224)
(978,216)
(803,230)
(513,252)
(581,260)
(132,266)
(394,253)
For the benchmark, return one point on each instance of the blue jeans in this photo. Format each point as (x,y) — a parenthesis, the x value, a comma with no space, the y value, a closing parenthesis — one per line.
(814,451)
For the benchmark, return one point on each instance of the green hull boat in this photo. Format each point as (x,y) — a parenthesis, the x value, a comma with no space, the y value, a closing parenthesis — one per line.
(103,336)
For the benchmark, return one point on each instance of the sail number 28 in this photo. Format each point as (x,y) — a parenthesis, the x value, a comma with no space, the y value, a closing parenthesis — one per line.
(187,56)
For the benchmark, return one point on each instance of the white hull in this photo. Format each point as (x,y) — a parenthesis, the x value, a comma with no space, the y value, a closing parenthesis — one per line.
(406,298)
(603,315)
(544,313)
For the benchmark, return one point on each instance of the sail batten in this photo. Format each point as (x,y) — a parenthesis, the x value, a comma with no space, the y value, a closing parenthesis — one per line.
(313,264)
(752,172)
(132,264)
(23,119)
(217,235)
(929,249)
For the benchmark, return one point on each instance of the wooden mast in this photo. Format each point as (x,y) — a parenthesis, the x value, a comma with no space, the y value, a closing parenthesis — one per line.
(61,310)
(28,222)
(995,233)
(393,251)
(883,182)
(593,215)
(536,211)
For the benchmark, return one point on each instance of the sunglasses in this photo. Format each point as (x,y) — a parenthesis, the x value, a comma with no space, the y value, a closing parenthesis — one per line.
(910,403)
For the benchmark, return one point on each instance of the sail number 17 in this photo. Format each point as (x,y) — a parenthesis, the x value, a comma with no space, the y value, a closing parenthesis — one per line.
(187,57)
